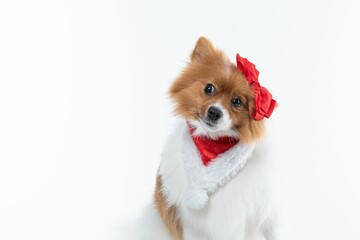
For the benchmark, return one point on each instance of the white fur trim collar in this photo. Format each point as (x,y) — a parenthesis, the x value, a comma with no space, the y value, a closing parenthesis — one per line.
(205,180)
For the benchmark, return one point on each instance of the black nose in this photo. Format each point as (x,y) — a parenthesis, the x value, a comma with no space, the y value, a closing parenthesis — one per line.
(214,113)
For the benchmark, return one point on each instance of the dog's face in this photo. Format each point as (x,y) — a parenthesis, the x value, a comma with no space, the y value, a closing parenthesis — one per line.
(214,96)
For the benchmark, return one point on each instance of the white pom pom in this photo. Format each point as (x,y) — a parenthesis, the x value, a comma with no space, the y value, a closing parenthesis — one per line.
(197,199)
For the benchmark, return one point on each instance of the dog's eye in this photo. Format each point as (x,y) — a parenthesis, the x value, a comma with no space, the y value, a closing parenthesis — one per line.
(209,89)
(236,102)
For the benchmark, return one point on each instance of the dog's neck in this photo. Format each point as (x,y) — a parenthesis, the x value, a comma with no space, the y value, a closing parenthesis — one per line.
(209,148)
(203,180)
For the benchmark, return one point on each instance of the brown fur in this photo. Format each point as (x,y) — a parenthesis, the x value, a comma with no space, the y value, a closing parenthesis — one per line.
(167,213)
(209,65)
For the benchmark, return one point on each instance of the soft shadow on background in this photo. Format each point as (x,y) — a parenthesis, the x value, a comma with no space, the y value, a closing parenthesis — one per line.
(84,111)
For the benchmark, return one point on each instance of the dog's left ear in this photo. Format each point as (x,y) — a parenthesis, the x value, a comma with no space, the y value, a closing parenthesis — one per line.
(203,49)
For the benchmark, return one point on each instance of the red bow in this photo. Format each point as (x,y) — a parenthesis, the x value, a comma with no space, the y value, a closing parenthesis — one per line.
(264,104)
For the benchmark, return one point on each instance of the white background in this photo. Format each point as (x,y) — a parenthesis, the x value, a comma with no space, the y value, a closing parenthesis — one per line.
(84,111)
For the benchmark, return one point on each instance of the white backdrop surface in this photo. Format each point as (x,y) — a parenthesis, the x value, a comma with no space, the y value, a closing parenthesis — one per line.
(84,111)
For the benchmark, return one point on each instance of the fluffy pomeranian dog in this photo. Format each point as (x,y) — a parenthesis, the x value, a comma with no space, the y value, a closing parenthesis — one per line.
(211,185)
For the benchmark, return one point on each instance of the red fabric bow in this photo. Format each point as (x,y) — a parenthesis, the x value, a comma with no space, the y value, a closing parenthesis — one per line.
(264,104)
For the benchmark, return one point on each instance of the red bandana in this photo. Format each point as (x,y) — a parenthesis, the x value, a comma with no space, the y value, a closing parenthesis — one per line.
(209,148)
(264,104)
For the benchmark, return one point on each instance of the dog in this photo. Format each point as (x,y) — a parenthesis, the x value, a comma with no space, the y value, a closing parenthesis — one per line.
(211,185)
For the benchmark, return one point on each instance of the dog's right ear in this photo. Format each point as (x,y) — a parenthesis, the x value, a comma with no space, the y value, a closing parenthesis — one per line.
(203,49)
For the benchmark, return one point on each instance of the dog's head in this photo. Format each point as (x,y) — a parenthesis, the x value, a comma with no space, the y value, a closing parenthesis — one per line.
(215,97)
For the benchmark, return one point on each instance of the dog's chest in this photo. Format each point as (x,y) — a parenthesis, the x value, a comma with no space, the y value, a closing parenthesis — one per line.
(232,210)
(205,180)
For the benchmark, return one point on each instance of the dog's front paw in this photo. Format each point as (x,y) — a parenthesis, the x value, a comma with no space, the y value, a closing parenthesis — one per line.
(197,199)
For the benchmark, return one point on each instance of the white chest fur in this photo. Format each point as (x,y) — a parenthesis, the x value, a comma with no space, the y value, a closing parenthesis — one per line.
(226,200)
(203,181)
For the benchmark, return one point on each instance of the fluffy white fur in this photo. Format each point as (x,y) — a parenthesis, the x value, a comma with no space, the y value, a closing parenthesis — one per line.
(210,206)
(149,227)
(203,181)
